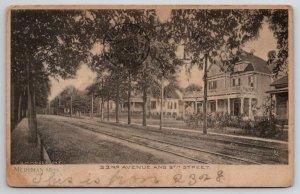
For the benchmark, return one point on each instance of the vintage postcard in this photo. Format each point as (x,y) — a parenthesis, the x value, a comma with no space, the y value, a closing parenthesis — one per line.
(150,96)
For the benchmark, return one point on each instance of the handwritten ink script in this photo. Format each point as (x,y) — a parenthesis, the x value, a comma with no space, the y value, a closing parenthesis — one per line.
(192,179)
(121,175)
(54,179)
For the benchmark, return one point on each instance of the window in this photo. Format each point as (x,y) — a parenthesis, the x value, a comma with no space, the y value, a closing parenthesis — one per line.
(236,81)
(213,107)
(251,81)
(175,105)
(153,104)
(212,85)
(170,105)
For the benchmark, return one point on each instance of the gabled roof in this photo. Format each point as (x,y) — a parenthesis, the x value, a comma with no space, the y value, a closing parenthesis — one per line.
(252,63)
(258,64)
(193,94)
(172,94)
(281,81)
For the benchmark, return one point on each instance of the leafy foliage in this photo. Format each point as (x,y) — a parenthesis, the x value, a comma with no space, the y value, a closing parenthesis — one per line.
(193,87)
(278,20)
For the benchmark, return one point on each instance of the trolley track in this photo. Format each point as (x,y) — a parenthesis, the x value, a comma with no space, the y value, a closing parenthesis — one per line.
(237,144)
(144,141)
(210,138)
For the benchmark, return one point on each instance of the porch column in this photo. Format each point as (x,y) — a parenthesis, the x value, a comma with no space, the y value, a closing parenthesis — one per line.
(242,105)
(217,106)
(250,108)
(193,106)
(228,105)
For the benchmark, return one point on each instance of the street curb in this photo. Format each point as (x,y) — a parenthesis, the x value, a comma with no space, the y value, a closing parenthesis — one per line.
(44,155)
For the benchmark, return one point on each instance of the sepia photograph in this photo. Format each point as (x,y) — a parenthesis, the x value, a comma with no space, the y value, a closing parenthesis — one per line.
(157,89)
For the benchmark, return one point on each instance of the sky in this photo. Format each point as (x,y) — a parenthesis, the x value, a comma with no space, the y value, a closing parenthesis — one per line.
(85,77)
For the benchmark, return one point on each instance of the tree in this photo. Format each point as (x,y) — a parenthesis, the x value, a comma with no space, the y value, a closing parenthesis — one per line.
(278,23)
(124,36)
(147,77)
(46,43)
(91,91)
(193,87)
(205,33)
(163,55)
(161,62)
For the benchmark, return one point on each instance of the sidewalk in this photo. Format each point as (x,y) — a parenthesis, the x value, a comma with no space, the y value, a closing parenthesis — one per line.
(217,134)
(23,152)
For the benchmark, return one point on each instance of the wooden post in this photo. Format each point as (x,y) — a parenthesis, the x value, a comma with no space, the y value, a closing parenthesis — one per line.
(250,108)
(228,105)
(242,105)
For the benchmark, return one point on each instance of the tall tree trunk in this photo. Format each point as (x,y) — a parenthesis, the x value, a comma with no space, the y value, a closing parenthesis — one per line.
(161,103)
(58,109)
(24,105)
(102,101)
(150,101)
(92,113)
(20,107)
(71,107)
(102,109)
(144,106)
(99,104)
(129,98)
(108,109)
(31,108)
(49,108)
(12,104)
(205,94)
(117,100)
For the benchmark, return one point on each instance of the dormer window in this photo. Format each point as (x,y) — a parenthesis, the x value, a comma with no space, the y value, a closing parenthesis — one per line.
(240,67)
(212,85)
(236,81)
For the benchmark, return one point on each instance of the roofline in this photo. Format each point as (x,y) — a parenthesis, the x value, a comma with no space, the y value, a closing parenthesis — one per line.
(282,84)
(238,74)
(280,90)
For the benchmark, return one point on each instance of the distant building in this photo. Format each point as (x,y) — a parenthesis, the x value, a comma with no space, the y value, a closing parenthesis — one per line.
(280,94)
(240,91)
(172,105)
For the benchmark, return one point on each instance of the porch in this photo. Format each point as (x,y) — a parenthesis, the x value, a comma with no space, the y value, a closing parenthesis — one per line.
(232,105)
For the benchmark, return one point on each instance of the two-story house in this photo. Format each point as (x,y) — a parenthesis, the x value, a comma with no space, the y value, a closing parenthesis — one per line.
(240,91)
(171,104)
(279,93)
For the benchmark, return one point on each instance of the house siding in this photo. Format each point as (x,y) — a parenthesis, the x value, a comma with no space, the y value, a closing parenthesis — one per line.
(243,99)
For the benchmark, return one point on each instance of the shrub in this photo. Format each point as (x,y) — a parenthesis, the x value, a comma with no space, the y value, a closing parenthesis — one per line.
(261,127)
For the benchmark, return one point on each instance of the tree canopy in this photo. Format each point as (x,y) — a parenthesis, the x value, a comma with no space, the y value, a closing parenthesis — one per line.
(192,87)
